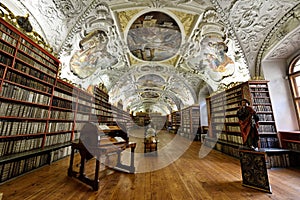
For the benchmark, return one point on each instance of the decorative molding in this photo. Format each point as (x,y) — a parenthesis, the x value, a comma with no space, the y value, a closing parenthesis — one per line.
(251,21)
(126,16)
(187,20)
(283,40)
(24,26)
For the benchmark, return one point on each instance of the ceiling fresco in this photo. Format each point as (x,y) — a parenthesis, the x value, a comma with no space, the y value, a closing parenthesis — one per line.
(158,55)
(154,36)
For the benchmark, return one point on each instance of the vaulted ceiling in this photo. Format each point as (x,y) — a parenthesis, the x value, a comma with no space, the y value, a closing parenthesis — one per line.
(162,55)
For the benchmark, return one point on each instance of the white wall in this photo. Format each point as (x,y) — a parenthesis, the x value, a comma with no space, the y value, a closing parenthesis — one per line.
(280,93)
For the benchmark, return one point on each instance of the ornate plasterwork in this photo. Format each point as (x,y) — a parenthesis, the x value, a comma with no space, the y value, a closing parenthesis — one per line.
(286,30)
(23,24)
(188,20)
(251,21)
(212,54)
(70,8)
(252,29)
(125,17)
(158,79)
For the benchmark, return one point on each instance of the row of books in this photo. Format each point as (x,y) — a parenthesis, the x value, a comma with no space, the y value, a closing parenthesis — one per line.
(6,48)
(48,77)
(99,99)
(265,117)
(86,102)
(15,168)
(4,59)
(99,93)
(9,128)
(293,146)
(269,142)
(221,136)
(21,94)
(258,85)
(79,125)
(28,82)
(219,120)
(82,116)
(29,45)
(57,139)
(217,109)
(261,100)
(29,61)
(63,103)
(8,147)
(235,139)
(233,96)
(265,142)
(266,128)
(259,90)
(63,115)
(64,95)
(259,95)
(230,106)
(66,101)
(262,108)
(99,103)
(218,128)
(103,111)
(278,160)
(60,153)
(229,150)
(83,108)
(10,109)
(1,71)
(35,56)
(8,35)
(231,119)
(66,88)
(233,128)
(59,126)
(233,91)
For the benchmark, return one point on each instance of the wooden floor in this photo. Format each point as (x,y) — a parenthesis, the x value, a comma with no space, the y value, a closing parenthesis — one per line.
(215,176)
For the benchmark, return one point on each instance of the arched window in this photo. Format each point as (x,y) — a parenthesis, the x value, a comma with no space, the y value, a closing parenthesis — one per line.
(294,77)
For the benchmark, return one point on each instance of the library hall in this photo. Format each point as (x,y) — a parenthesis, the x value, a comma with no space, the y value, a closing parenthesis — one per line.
(149,100)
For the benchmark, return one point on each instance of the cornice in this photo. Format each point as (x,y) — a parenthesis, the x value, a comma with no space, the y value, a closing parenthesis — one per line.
(282,41)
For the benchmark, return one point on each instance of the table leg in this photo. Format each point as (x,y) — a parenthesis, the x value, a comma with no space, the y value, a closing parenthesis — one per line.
(70,170)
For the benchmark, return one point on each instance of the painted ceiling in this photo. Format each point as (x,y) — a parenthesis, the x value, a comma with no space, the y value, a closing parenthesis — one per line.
(160,55)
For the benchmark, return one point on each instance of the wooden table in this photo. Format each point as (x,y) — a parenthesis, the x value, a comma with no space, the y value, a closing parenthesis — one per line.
(106,146)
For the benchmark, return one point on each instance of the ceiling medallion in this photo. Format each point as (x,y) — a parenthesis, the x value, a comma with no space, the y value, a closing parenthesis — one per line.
(154,36)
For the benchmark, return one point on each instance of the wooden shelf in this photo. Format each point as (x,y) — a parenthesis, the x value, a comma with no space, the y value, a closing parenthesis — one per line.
(224,105)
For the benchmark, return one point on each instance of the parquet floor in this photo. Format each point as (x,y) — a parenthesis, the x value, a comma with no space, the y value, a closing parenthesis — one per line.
(184,176)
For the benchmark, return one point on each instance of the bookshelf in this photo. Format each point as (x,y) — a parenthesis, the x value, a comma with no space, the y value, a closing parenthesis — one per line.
(141,119)
(175,121)
(190,122)
(29,138)
(224,130)
(40,114)
(291,140)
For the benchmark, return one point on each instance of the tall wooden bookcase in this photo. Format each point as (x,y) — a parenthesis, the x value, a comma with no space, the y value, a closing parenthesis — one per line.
(40,114)
(29,137)
(224,131)
(190,122)
(175,121)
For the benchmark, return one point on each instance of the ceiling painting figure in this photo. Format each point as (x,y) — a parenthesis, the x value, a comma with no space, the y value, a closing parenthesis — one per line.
(154,36)
(217,59)
(92,56)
